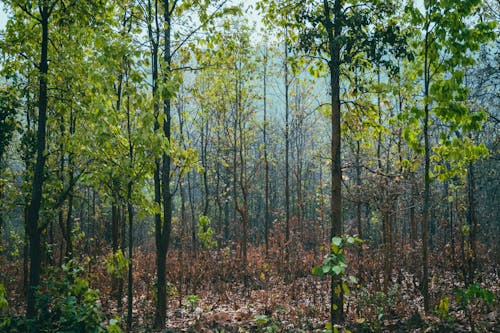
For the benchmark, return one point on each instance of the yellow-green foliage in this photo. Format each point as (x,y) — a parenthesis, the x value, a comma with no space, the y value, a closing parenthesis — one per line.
(206,233)
(116,264)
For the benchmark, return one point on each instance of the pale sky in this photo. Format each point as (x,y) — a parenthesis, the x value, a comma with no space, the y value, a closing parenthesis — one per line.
(3,15)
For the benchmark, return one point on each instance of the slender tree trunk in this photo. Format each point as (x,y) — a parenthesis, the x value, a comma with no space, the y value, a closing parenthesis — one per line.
(452,235)
(287,155)
(243,210)
(218,195)
(334,31)
(130,214)
(413,220)
(34,229)
(60,215)
(388,248)
(226,208)
(472,222)
(182,187)
(358,199)
(322,204)
(194,241)
(426,206)
(115,239)
(130,209)
(71,177)
(239,171)
(235,158)
(266,162)
(123,233)
(26,249)
(204,145)
(163,229)
(160,264)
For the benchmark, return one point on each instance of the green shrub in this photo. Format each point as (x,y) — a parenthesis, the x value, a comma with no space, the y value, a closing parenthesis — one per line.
(193,301)
(4,305)
(66,303)
(205,232)
(116,264)
(266,324)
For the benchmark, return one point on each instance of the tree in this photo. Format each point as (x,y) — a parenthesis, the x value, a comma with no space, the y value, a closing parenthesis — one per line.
(159,18)
(444,47)
(335,33)
(8,112)
(36,24)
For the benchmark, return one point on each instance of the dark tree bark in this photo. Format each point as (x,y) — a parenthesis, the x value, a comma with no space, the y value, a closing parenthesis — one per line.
(359,220)
(266,162)
(218,194)
(427,181)
(204,164)
(334,30)
(130,211)
(287,155)
(33,226)
(115,241)
(472,222)
(413,220)
(71,180)
(163,225)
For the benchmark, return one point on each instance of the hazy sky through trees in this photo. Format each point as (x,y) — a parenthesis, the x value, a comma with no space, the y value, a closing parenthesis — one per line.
(253,14)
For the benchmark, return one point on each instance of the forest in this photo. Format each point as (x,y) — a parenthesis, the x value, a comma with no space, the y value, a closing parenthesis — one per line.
(249,166)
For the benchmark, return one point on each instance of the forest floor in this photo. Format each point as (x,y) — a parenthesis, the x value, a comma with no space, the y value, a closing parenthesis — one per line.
(211,293)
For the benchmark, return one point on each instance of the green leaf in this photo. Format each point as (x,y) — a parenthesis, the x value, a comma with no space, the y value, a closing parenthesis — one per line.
(337,269)
(318,271)
(346,289)
(337,241)
(261,319)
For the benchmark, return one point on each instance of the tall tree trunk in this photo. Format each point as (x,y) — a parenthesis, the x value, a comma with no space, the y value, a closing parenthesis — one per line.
(243,210)
(388,242)
(60,213)
(359,220)
(266,162)
(163,229)
(34,229)
(123,233)
(235,159)
(239,178)
(451,233)
(333,30)
(115,239)
(71,177)
(194,240)
(26,249)
(130,214)
(426,206)
(218,194)
(204,145)
(358,199)
(226,207)
(413,220)
(472,222)
(287,155)
(130,211)
(152,16)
